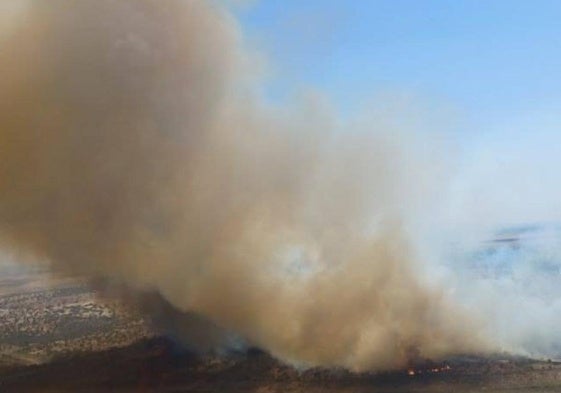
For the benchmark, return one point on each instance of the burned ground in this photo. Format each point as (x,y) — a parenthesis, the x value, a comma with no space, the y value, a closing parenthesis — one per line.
(68,338)
(159,365)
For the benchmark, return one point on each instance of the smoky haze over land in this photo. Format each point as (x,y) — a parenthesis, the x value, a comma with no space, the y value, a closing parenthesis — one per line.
(135,147)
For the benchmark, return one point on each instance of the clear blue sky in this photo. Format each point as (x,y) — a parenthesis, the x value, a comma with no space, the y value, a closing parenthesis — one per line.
(494,61)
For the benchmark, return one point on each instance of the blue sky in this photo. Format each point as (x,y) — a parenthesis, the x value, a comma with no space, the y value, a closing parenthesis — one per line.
(496,62)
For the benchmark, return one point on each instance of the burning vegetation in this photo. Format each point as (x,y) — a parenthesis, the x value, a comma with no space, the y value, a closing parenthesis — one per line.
(137,151)
(135,148)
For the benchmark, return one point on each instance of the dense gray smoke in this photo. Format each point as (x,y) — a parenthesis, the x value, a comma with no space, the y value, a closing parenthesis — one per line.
(134,147)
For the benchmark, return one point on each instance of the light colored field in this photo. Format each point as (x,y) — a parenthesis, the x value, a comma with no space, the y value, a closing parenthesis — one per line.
(44,316)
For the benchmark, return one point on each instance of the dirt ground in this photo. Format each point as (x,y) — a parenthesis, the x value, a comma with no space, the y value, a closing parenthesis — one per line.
(158,365)
(58,336)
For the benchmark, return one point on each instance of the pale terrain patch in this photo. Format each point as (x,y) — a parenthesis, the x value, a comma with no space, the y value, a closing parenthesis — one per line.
(43,316)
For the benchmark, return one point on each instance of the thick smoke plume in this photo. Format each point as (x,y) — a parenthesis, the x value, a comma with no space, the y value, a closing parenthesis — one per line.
(134,147)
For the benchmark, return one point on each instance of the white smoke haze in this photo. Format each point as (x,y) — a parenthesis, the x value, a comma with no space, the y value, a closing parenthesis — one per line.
(134,147)
(514,287)
(508,187)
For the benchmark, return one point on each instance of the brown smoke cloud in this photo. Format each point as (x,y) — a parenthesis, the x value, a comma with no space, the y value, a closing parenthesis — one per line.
(133,146)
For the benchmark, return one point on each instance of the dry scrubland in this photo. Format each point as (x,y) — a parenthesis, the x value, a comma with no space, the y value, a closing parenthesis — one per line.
(59,335)
(156,365)
(44,317)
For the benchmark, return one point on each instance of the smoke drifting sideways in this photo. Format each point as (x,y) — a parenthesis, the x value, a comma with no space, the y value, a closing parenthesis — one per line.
(134,147)
(502,255)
